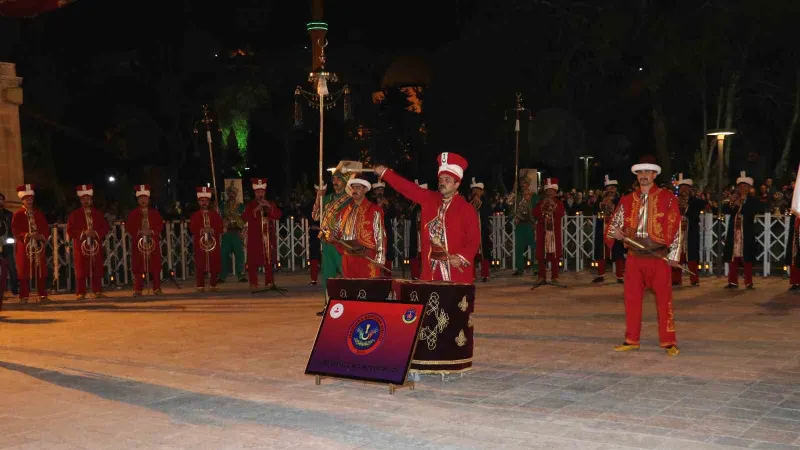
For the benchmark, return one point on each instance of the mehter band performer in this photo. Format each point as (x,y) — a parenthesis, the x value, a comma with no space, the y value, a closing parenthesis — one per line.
(740,241)
(522,203)
(548,213)
(484,210)
(359,234)
(793,254)
(262,240)
(450,232)
(648,217)
(88,229)
(145,224)
(604,209)
(206,227)
(31,233)
(233,228)
(389,213)
(690,208)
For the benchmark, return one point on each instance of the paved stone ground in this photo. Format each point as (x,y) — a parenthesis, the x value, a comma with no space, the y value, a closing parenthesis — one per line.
(226,371)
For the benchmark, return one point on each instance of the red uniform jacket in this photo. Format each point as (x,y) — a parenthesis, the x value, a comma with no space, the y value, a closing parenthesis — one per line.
(19,226)
(255,242)
(76,224)
(663,219)
(558,214)
(462,234)
(215,256)
(361,227)
(134,225)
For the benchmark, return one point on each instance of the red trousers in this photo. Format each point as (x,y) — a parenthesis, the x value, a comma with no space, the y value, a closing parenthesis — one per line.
(416,268)
(139,279)
(358,267)
(794,275)
(677,274)
(25,288)
(655,274)
(549,257)
(733,271)
(201,279)
(314,270)
(97,286)
(484,268)
(619,268)
(252,275)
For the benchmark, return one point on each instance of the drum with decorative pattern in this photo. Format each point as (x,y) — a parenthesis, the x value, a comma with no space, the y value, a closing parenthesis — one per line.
(446,337)
(360,288)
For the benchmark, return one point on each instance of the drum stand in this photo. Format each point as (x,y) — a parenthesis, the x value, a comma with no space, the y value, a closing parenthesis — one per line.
(274,288)
(548,283)
(392,387)
(171,277)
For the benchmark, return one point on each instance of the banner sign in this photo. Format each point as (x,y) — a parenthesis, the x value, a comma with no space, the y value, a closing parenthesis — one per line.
(366,340)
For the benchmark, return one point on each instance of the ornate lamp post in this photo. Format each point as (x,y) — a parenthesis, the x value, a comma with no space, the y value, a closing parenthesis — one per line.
(206,120)
(322,98)
(518,109)
(720,134)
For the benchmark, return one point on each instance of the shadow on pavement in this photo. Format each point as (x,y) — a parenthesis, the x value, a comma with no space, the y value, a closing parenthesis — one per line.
(203,409)
(28,321)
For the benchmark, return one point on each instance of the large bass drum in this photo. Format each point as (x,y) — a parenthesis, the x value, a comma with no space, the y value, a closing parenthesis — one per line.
(446,337)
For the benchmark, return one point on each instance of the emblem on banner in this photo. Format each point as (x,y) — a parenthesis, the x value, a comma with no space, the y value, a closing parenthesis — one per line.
(391,296)
(337,310)
(362,295)
(342,293)
(410,316)
(463,305)
(366,334)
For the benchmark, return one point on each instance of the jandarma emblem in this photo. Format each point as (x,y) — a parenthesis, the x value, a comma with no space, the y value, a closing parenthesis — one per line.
(410,316)
(366,334)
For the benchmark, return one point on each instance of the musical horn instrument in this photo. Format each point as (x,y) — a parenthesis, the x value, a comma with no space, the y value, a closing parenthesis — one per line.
(33,247)
(145,244)
(89,246)
(207,240)
(347,170)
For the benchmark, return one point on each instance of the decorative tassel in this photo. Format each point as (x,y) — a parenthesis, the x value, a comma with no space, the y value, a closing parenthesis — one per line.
(298,108)
(348,113)
(322,87)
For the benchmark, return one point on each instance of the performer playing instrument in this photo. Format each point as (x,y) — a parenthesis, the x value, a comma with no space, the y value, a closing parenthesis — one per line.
(648,217)
(690,208)
(31,232)
(548,213)
(88,227)
(389,213)
(523,201)
(359,234)
(145,224)
(604,209)
(484,210)
(414,240)
(262,240)
(206,228)
(332,203)
(450,231)
(740,241)
(232,229)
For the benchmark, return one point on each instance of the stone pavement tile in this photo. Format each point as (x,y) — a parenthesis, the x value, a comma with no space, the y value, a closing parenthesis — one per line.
(792,402)
(723,426)
(784,413)
(755,405)
(731,441)
(514,397)
(10,440)
(662,395)
(645,402)
(581,411)
(39,445)
(688,435)
(776,423)
(700,403)
(671,422)
(767,435)
(635,440)
(689,413)
(762,396)
(772,446)
(545,404)
(738,413)
(773,388)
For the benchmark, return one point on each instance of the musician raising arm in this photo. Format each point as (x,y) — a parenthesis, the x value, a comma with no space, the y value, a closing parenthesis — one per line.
(87,227)
(259,216)
(206,227)
(449,226)
(145,224)
(548,213)
(31,233)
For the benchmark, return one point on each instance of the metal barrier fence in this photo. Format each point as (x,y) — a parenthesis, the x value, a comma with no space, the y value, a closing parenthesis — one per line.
(772,240)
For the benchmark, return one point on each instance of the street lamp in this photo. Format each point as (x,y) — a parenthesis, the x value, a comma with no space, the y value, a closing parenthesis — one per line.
(720,134)
(586,159)
(111,179)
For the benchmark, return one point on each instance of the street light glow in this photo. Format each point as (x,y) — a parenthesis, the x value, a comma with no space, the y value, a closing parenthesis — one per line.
(111,179)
